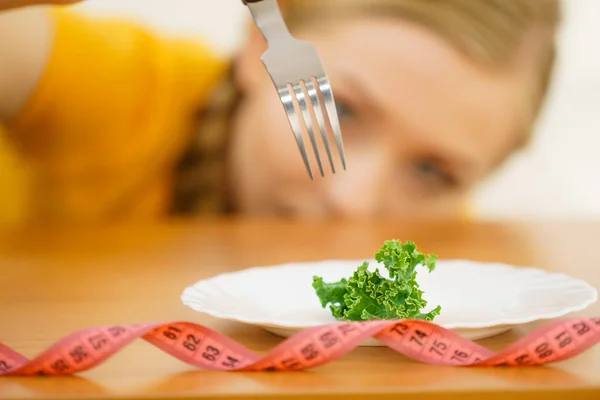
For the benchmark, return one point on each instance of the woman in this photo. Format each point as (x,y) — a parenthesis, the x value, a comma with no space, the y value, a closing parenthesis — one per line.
(433,95)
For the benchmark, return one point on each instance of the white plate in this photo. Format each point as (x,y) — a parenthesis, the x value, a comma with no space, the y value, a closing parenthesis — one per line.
(478,299)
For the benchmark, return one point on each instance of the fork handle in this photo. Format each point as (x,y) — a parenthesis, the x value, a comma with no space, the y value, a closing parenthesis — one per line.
(269,20)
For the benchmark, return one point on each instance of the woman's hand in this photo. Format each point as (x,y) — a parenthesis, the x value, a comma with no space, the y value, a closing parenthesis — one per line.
(25,42)
(7,4)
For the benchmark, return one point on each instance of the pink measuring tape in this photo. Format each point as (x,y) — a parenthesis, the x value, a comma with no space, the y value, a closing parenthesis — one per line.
(204,348)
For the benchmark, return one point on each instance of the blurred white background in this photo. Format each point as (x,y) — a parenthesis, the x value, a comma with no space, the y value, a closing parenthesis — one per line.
(557,177)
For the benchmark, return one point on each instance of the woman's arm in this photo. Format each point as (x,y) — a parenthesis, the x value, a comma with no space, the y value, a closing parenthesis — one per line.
(26,37)
(106,114)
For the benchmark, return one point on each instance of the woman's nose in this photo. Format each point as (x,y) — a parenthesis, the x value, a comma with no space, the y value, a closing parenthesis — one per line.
(359,191)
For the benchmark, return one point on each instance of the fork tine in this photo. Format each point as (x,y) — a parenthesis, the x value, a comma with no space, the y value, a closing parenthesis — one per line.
(308,121)
(316,103)
(326,92)
(285,95)
(289,62)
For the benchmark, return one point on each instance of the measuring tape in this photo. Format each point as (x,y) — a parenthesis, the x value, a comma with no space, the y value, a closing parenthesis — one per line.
(207,349)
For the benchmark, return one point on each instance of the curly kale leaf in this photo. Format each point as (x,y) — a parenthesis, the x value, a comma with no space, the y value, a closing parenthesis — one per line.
(367,295)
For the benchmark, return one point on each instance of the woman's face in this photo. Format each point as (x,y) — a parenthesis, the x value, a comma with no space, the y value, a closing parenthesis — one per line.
(421,126)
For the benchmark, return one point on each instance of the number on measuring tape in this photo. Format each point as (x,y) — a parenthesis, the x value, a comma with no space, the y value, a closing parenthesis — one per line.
(400,329)
(192,342)
(230,362)
(98,341)
(60,366)
(172,332)
(309,352)
(543,350)
(290,363)
(460,355)
(78,354)
(117,331)
(329,339)
(418,337)
(563,339)
(523,359)
(4,366)
(211,353)
(346,329)
(582,328)
(438,347)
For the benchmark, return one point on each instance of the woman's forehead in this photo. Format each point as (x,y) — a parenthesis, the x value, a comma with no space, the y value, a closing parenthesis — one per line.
(424,86)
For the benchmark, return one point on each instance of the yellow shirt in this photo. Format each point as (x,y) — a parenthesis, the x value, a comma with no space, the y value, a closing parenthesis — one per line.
(99,139)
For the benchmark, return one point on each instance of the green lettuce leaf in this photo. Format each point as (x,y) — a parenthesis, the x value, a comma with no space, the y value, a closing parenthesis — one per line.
(367,295)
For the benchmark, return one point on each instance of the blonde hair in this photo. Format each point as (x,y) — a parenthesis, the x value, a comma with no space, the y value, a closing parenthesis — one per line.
(493,33)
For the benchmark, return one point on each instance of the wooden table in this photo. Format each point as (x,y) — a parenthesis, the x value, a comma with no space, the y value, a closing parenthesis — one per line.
(54,282)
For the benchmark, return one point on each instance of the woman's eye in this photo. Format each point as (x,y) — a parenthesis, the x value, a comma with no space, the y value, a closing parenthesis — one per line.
(345,112)
(430,173)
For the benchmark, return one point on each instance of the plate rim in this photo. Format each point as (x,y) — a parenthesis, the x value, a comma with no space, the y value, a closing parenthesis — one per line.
(593,298)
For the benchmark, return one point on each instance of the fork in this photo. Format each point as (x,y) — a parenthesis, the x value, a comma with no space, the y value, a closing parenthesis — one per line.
(300,79)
